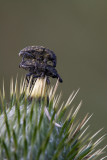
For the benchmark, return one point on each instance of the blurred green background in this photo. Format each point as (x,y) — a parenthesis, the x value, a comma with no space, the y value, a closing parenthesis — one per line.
(76,31)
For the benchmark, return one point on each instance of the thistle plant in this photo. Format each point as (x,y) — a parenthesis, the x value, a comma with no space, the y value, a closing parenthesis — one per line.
(35,126)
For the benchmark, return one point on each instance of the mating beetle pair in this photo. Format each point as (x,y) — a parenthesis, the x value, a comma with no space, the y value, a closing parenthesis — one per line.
(40,62)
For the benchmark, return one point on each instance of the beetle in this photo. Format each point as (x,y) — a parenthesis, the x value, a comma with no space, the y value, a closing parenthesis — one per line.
(40,62)
(37,70)
(39,53)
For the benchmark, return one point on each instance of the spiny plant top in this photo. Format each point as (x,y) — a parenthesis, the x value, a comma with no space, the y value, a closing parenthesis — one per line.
(33,126)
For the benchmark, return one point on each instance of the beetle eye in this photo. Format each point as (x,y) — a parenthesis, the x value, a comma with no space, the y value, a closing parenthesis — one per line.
(50,63)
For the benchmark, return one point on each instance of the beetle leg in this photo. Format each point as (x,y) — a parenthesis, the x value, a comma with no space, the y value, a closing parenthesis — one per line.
(59,78)
(53,73)
(56,75)
(28,75)
(47,80)
(35,76)
(42,74)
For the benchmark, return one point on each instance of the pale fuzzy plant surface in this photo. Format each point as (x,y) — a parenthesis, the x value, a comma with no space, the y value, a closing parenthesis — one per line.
(33,126)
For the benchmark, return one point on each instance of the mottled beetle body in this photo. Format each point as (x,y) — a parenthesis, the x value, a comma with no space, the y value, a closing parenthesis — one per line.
(39,70)
(39,53)
(40,62)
